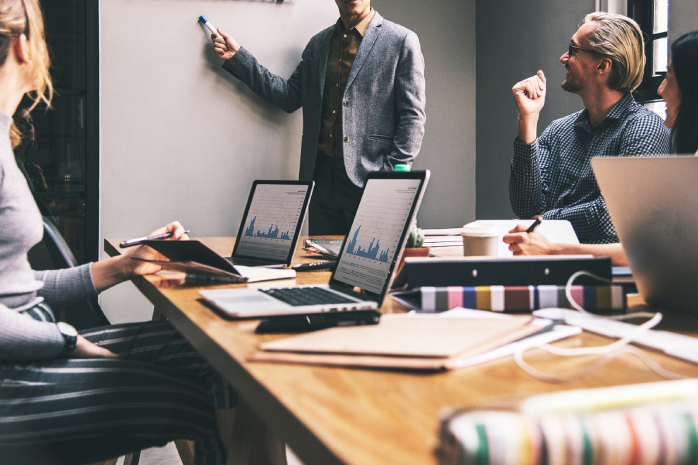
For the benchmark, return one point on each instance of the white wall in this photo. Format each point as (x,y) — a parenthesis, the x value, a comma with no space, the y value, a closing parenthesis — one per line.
(181,139)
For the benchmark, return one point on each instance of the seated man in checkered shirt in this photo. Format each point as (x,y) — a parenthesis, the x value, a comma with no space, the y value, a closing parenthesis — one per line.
(551,175)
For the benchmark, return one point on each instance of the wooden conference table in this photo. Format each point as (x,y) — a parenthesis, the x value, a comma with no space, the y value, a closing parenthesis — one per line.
(354,416)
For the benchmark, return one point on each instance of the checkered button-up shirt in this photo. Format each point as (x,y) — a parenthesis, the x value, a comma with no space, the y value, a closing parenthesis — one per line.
(553,176)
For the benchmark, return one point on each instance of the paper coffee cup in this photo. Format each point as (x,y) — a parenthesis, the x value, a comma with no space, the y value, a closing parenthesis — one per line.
(480,240)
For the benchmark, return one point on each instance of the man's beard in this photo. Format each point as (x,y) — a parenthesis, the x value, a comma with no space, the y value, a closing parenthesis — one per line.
(570,87)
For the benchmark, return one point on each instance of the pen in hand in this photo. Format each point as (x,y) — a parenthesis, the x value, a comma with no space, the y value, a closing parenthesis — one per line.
(139,240)
(534,225)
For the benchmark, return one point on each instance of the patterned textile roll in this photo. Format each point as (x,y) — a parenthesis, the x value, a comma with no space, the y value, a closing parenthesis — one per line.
(521,298)
(641,432)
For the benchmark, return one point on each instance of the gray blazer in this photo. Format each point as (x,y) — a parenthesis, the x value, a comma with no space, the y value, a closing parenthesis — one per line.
(383,115)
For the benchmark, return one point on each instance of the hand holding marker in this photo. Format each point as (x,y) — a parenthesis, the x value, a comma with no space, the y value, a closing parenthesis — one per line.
(224,45)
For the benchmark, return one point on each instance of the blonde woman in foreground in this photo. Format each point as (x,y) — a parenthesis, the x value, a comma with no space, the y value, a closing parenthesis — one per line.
(69,397)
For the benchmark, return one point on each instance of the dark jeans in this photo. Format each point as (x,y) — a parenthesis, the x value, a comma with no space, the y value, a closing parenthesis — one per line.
(335,198)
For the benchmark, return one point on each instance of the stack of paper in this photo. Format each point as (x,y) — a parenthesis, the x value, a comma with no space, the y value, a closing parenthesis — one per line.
(423,343)
(447,237)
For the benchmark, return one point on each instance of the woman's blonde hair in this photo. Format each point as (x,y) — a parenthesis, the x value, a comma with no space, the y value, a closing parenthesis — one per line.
(19,17)
(620,39)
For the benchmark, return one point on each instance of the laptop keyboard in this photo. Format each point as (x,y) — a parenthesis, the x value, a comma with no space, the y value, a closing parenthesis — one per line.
(299,296)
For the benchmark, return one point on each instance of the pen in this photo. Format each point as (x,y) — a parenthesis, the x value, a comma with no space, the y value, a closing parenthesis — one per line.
(138,240)
(534,225)
(329,265)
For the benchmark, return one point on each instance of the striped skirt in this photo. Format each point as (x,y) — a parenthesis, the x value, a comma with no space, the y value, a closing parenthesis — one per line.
(77,411)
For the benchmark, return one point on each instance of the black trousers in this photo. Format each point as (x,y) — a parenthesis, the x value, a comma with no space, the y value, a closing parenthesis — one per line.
(77,411)
(335,198)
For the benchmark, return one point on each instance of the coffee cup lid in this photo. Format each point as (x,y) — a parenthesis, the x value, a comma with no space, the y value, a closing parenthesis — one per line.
(476,229)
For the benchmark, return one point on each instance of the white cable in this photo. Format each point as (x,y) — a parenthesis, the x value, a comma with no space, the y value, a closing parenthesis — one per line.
(654,366)
(608,352)
(579,308)
(601,350)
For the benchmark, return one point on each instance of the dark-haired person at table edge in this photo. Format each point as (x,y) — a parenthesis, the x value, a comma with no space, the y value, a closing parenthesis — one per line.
(680,92)
(551,174)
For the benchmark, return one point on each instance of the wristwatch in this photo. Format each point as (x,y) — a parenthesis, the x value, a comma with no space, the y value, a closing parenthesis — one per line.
(70,336)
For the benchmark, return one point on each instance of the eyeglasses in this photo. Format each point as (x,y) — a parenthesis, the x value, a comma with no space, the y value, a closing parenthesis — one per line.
(572,50)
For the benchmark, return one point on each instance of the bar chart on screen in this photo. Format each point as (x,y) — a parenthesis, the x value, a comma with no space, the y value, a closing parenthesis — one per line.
(270,223)
(374,238)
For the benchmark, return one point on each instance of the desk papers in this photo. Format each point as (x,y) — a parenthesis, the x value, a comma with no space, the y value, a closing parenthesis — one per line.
(427,343)
(557,231)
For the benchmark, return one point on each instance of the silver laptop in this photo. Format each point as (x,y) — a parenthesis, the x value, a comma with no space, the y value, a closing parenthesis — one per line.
(653,202)
(366,264)
(272,223)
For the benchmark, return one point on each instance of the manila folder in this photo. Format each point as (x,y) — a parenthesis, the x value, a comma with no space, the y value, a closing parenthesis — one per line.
(399,342)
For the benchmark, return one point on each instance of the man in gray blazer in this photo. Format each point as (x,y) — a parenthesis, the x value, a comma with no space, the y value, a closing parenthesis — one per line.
(361,86)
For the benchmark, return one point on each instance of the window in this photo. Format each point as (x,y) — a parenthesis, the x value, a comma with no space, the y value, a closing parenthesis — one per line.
(653,18)
(62,163)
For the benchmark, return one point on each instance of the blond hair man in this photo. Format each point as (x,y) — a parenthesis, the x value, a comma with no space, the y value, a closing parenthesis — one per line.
(551,175)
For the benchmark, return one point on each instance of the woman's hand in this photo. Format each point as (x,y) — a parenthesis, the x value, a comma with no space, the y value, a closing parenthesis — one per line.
(523,243)
(139,268)
(115,270)
(87,349)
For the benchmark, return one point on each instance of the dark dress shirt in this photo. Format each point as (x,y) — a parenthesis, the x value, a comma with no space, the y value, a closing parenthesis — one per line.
(345,45)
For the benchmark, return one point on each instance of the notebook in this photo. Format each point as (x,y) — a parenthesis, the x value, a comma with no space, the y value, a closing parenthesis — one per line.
(558,231)
(203,264)
(400,342)
(366,264)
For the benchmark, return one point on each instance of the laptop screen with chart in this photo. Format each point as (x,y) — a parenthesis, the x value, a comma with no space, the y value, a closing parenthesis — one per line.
(273,220)
(367,260)
(376,236)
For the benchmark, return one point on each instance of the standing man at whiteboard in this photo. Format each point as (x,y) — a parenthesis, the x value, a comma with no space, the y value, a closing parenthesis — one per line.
(361,86)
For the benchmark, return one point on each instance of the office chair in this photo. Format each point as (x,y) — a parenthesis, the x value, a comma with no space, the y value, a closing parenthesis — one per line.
(85,314)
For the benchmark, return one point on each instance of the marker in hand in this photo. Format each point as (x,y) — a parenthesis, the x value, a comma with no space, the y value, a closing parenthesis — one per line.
(139,240)
(210,27)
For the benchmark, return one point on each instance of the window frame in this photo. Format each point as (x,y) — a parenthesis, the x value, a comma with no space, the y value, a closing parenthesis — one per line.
(642,11)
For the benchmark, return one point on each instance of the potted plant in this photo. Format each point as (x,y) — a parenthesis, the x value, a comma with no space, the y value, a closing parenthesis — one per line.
(414,247)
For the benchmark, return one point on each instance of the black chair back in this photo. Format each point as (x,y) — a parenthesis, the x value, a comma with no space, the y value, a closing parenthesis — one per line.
(53,253)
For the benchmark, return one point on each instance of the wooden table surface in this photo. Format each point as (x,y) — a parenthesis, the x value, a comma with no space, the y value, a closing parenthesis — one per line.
(355,416)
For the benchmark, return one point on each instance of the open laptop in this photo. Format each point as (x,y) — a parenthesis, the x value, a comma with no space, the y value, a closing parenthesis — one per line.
(271,224)
(653,202)
(366,264)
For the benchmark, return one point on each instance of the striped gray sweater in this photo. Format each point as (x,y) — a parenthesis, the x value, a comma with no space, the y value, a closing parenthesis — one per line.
(21,337)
